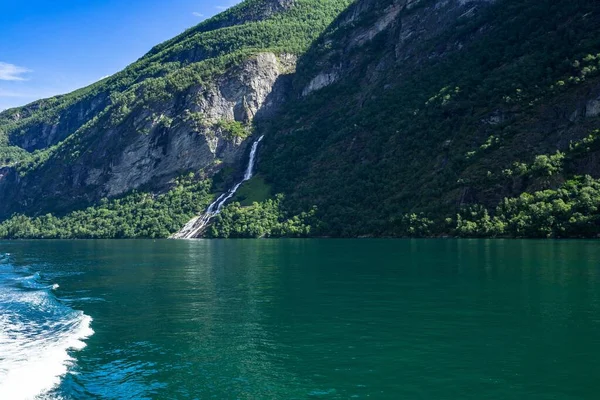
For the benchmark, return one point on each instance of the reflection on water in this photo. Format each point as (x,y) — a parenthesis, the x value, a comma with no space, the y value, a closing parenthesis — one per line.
(335,319)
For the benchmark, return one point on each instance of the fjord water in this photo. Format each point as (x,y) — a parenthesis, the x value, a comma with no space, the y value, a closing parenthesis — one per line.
(297,319)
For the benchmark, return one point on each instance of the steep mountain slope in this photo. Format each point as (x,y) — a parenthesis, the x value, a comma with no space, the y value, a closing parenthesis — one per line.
(185,107)
(402,117)
(408,112)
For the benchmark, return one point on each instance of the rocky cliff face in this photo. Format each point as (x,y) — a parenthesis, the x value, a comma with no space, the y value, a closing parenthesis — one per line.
(405,25)
(191,132)
(189,105)
(396,108)
(194,139)
(38,136)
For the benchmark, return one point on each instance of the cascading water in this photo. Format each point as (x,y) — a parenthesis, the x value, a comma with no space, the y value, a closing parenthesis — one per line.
(196,225)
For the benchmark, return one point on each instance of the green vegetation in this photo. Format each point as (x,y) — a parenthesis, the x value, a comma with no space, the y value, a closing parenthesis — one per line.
(393,147)
(48,140)
(573,210)
(12,155)
(583,69)
(138,215)
(233,130)
(195,57)
(197,119)
(483,116)
(254,190)
(543,165)
(260,220)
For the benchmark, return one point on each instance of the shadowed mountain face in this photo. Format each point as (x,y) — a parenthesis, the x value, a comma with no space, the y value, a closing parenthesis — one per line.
(389,116)
(409,107)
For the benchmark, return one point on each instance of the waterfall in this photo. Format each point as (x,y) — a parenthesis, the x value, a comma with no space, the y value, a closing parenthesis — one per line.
(196,225)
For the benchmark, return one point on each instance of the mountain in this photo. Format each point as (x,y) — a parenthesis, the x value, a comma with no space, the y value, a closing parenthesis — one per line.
(380,118)
(409,113)
(185,106)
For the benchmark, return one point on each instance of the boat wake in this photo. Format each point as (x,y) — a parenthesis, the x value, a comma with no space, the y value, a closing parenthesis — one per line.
(37,331)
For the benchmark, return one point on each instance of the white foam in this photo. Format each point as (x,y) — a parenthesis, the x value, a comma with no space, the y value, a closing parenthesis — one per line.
(36,334)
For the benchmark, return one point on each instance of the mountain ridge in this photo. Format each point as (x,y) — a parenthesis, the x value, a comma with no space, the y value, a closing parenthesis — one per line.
(399,118)
(59,135)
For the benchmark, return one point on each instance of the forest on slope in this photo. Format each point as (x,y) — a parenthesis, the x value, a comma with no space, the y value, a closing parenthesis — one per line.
(402,118)
(483,121)
(184,108)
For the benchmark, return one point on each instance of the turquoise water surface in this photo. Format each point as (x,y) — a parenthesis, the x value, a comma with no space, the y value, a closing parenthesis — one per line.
(300,319)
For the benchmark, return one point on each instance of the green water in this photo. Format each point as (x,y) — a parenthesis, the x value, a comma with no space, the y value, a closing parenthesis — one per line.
(331,319)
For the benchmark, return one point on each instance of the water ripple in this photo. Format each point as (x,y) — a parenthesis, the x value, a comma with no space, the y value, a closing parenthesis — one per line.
(37,331)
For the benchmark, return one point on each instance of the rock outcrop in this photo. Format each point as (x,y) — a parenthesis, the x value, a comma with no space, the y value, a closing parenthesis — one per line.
(255,89)
(404,26)
(158,143)
(187,106)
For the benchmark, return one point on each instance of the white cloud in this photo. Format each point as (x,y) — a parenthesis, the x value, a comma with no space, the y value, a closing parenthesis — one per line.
(11,72)
(197,14)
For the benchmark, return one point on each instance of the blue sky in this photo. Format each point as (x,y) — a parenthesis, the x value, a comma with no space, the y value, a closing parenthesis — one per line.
(53,47)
